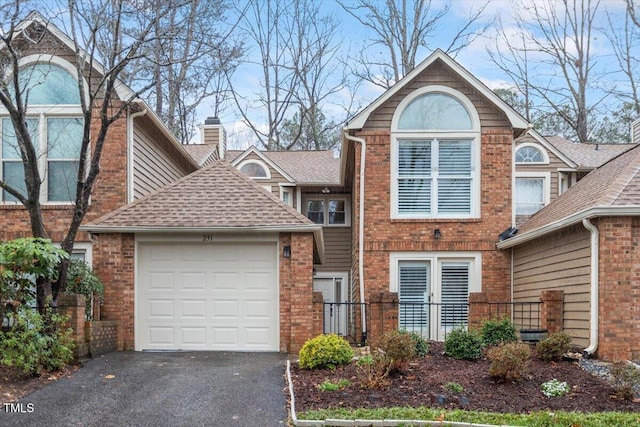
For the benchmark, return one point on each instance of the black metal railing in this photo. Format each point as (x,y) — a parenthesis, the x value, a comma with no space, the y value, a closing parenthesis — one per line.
(345,319)
(525,315)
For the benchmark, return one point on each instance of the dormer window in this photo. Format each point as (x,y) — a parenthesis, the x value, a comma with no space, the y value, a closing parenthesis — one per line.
(255,169)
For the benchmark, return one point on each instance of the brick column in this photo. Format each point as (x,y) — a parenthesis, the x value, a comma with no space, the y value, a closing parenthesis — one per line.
(73,305)
(383,314)
(318,308)
(478,309)
(551,310)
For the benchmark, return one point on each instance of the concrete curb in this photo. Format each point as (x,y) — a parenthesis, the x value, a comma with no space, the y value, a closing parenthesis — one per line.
(370,423)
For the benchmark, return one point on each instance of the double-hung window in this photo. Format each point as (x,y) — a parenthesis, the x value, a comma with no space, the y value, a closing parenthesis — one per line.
(55,124)
(435,156)
(327,210)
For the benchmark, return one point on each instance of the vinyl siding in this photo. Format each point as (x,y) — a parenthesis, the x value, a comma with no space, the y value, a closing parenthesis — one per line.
(439,74)
(274,181)
(560,261)
(337,243)
(153,166)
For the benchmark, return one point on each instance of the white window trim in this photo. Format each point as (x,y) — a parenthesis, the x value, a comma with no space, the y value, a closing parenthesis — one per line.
(326,199)
(85,248)
(257,162)
(42,112)
(436,259)
(287,190)
(425,134)
(441,136)
(538,147)
(547,185)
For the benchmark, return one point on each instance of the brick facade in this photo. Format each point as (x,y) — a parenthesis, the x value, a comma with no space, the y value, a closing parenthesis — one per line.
(619,314)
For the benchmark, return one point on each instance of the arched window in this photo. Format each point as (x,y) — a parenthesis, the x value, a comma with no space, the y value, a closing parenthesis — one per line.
(48,84)
(530,154)
(435,155)
(255,169)
(54,120)
(435,111)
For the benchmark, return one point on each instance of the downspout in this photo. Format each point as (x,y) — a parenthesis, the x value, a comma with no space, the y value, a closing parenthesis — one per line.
(363,152)
(130,189)
(594,300)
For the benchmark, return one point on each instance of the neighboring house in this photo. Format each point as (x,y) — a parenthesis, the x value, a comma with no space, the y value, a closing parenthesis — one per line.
(139,157)
(547,166)
(587,244)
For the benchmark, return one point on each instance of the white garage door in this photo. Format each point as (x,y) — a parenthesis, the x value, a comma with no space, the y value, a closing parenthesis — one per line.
(207,296)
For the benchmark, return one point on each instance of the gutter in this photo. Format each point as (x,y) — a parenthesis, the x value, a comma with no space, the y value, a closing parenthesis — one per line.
(594,298)
(363,153)
(130,189)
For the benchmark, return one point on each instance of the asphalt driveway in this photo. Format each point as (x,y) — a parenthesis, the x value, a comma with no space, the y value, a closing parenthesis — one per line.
(163,389)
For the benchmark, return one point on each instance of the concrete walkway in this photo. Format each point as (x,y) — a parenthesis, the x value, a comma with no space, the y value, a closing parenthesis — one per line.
(163,389)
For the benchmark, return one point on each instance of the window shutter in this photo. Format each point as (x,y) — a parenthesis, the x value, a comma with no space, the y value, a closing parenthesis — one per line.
(455,293)
(454,177)
(414,295)
(414,177)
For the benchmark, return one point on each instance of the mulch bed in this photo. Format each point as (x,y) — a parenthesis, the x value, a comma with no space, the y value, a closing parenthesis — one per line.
(422,384)
(14,384)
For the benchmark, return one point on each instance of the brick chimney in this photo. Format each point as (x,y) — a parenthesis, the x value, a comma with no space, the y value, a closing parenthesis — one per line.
(213,133)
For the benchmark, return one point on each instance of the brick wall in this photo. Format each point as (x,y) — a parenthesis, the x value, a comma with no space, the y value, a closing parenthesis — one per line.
(102,336)
(298,314)
(113,262)
(384,235)
(619,314)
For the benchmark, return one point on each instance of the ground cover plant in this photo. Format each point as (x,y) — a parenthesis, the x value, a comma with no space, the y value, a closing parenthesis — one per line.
(426,382)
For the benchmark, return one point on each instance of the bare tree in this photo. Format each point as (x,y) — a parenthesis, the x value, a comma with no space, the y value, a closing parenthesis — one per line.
(105,37)
(402,27)
(552,59)
(296,49)
(191,65)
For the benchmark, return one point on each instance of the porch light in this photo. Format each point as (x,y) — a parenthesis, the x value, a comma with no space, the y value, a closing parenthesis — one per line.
(326,190)
(286,251)
(437,233)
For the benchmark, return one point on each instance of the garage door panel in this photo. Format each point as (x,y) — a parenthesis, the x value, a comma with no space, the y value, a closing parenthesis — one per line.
(226,299)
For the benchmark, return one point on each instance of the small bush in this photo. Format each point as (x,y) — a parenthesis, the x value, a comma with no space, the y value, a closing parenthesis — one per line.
(331,386)
(325,351)
(509,361)
(373,371)
(36,343)
(421,346)
(453,387)
(555,388)
(554,346)
(495,332)
(397,348)
(625,379)
(81,280)
(463,345)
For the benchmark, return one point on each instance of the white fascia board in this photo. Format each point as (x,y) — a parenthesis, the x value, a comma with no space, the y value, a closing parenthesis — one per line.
(598,211)
(516,120)
(264,158)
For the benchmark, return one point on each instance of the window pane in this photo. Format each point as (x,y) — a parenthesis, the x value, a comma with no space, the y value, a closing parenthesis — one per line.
(435,111)
(454,158)
(413,293)
(13,175)
(414,196)
(414,158)
(254,170)
(529,195)
(455,294)
(454,195)
(315,211)
(336,212)
(48,84)
(62,181)
(64,138)
(10,149)
(529,155)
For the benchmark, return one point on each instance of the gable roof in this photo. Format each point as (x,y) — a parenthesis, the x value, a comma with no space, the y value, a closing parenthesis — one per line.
(587,156)
(304,167)
(533,136)
(516,120)
(200,153)
(610,190)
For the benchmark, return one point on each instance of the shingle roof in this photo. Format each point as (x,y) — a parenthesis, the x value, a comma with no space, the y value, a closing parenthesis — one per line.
(216,196)
(305,167)
(587,155)
(200,152)
(614,184)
